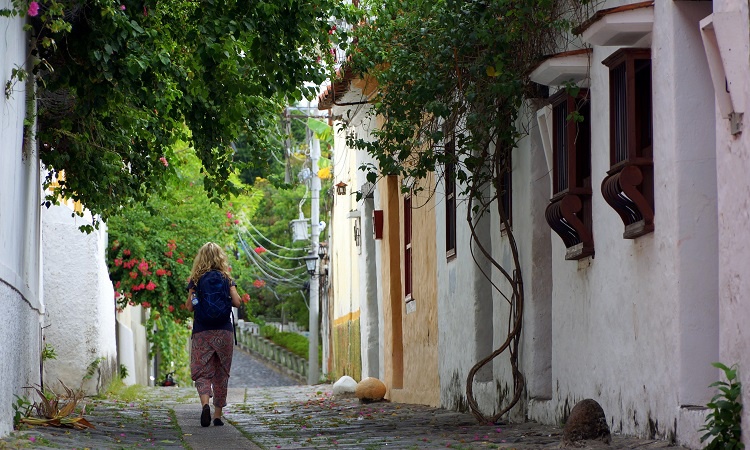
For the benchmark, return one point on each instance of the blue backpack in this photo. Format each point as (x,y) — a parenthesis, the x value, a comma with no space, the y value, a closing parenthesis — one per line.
(214,301)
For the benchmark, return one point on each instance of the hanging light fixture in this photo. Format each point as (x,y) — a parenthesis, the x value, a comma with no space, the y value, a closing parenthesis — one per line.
(310,261)
(341,188)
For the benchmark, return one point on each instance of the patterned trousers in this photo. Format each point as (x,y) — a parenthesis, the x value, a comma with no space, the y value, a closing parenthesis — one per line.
(210,362)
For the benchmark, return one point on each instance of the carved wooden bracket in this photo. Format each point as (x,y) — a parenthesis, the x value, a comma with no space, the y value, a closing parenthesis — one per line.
(620,190)
(565,215)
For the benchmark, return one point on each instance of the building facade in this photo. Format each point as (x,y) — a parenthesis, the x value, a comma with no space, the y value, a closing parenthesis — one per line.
(630,228)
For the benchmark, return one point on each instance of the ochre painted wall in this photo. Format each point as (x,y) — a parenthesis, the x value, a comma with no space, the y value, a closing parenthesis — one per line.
(411,346)
(346,347)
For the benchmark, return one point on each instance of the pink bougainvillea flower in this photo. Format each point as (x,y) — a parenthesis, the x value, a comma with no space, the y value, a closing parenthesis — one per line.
(118,262)
(259,283)
(126,252)
(229,215)
(161,272)
(122,7)
(143,266)
(117,295)
(179,261)
(245,298)
(150,286)
(117,285)
(169,254)
(146,304)
(259,250)
(164,161)
(236,222)
(171,308)
(33,9)
(134,275)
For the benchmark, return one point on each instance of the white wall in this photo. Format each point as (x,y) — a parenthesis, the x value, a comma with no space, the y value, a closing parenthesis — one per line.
(635,327)
(733,165)
(20,197)
(80,317)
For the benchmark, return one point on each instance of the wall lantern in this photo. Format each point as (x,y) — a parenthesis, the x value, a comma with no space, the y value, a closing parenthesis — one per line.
(310,261)
(341,188)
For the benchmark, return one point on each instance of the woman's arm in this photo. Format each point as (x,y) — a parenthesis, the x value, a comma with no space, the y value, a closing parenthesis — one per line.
(235,296)
(189,302)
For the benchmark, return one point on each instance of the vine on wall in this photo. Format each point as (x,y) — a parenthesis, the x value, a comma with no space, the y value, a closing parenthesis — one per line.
(457,71)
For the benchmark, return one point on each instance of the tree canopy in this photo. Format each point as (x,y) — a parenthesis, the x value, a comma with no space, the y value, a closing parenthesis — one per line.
(120,82)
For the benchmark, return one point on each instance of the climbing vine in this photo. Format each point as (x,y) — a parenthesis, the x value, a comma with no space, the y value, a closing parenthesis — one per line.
(451,70)
(119,82)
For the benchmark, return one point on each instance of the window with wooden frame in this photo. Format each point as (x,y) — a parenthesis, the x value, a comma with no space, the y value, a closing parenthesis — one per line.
(407,249)
(450,199)
(569,211)
(629,185)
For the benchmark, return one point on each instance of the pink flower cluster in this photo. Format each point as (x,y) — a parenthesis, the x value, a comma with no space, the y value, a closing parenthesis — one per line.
(33,9)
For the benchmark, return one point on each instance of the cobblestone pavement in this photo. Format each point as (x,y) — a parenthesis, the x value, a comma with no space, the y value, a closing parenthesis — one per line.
(249,372)
(275,416)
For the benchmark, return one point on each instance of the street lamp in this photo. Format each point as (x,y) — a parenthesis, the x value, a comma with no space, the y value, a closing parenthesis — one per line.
(310,261)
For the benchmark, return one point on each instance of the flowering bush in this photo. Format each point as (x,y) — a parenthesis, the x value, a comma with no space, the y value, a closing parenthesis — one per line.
(161,288)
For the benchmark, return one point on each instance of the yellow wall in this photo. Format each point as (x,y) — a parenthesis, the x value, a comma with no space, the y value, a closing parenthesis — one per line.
(411,341)
(346,347)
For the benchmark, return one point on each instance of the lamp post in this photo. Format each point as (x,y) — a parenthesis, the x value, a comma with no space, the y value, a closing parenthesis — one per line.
(313,375)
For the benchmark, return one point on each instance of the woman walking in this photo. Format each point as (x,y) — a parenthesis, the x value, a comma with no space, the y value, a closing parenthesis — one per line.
(211,292)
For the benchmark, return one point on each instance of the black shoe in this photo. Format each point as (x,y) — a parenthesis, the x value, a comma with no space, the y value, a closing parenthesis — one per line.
(218,422)
(206,416)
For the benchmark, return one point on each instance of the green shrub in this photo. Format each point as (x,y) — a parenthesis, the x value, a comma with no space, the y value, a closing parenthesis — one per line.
(723,425)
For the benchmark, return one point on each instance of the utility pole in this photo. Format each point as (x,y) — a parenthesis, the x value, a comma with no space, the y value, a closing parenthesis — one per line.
(313,375)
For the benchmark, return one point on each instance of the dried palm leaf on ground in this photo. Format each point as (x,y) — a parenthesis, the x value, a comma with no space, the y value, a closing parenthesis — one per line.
(56,411)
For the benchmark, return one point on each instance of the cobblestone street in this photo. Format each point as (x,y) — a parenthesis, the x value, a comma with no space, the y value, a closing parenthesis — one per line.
(270,411)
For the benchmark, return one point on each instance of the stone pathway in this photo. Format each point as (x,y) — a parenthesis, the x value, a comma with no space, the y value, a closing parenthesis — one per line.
(266,413)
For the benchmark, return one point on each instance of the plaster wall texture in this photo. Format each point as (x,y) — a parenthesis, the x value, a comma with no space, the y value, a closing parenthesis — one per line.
(632,327)
(355,283)
(420,330)
(131,322)
(733,165)
(20,242)
(635,327)
(344,252)
(80,302)
(369,287)
(20,357)
(20,185)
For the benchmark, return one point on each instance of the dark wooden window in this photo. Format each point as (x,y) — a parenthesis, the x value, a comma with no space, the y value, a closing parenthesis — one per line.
(569,211)
(629,185)
(450,199)
(407,249)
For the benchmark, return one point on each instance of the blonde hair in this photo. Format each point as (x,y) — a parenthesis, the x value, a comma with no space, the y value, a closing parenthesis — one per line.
(210,257)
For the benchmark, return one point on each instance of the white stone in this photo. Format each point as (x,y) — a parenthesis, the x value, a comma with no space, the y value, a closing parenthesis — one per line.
(344,386)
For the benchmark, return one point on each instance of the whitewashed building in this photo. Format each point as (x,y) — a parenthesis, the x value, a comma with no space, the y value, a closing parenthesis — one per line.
(633,247)
(20,232)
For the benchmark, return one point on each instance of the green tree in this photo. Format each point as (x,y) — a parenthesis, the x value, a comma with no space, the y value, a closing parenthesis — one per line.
(118,82)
